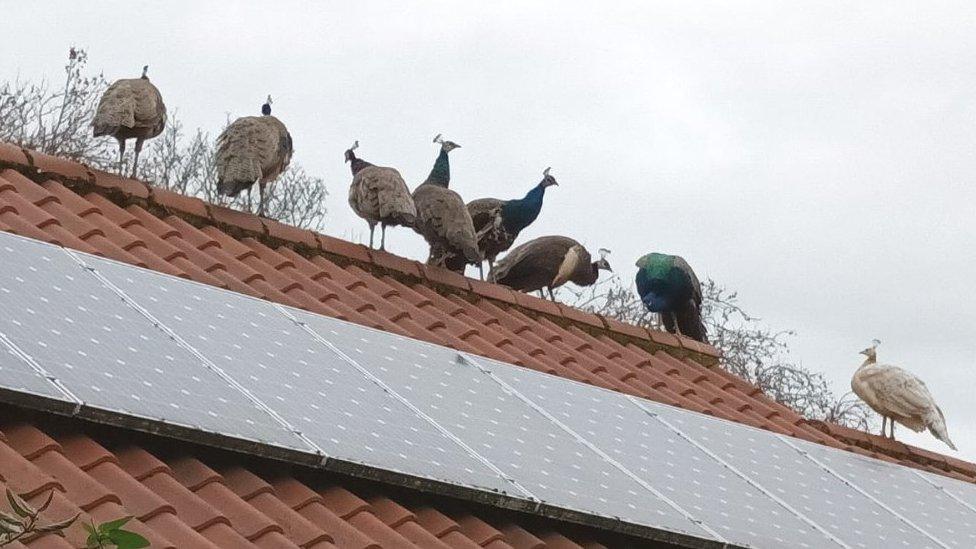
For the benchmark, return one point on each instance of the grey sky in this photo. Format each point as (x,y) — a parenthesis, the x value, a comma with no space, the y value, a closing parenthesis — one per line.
(816,157)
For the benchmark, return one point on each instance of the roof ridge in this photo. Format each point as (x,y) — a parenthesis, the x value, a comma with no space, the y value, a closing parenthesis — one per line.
(122,191)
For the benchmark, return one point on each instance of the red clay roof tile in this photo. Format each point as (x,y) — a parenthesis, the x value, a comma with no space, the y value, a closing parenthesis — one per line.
(101,213)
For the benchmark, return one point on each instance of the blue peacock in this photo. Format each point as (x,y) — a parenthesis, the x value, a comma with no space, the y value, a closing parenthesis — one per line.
(499,222)
(667,285)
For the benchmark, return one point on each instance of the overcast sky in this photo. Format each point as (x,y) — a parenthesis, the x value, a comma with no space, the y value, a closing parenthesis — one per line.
(817,158)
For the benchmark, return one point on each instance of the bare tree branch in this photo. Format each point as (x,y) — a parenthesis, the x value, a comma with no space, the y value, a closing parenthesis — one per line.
(58,122)
(749,349)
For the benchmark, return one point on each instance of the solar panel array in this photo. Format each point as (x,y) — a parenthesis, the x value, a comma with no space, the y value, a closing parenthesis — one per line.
(104,340)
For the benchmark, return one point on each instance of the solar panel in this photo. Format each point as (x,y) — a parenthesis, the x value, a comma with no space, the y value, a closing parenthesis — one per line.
(904,492)
(94,336)
(110,356)
(17,373)
(304,382)
(542,458)
(801,483)
(685,474)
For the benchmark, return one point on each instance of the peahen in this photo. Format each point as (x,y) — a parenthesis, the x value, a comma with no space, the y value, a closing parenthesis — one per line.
(379,195)
(442,218)
(499,222)
(131,108)
(548,262)
(252,149)
(898,396)
(668,286)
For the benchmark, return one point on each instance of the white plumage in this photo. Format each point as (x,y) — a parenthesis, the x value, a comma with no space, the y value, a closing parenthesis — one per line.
(898,395)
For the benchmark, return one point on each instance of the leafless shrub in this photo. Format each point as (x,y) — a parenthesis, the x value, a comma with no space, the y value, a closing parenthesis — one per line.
(749,349)
(39,117)
(56,121)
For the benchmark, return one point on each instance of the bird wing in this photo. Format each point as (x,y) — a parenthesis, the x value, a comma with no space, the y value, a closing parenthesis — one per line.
(683,266)
(900,393)
(380,194)
(532,265)
(276,147)
(131,103)
(150,111)
(442,216)
(570,263)
(485,213)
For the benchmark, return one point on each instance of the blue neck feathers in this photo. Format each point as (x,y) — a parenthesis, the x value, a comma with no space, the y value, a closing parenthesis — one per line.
(519,214)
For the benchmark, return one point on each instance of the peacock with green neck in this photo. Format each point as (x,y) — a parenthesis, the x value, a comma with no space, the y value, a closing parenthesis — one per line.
(440,174)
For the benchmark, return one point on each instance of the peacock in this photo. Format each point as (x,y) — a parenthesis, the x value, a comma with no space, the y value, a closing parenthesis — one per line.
(252,149)
(897,395)
(442,218)
(131,108)
(548,262)
(379,195)
(499,222)
(668,286)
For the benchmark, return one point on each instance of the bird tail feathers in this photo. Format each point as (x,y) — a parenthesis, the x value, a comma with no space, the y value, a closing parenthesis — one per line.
(936,425)
(236,174)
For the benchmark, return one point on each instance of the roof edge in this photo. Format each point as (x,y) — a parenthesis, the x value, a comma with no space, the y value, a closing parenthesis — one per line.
(81,178)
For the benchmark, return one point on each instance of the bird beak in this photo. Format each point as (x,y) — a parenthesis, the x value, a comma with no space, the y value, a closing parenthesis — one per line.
(864,352)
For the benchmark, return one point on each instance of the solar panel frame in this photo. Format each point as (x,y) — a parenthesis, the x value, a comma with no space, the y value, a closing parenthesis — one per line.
(622,429)
(768,460)
(859,473)
(862,479)
(443,386)
(265,352)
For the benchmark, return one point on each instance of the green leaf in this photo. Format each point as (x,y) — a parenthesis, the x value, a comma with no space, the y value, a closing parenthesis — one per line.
(92,542)
(90,528)
(114,524)
(124,539)
(18,505)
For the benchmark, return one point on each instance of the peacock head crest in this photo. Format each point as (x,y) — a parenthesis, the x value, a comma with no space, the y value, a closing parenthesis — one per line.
(350,155)
(266,108)
(872,351)
(145,70)
(602,263)
(446,146)
(547,180)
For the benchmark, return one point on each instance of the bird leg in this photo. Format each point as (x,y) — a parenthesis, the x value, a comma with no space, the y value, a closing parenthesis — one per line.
(884,425)
(122,157)
(674,317)
(541,295)
(372,230)
(261,205)
(383,237)
(135,162)
(481,270)
(551,296)
(891,425)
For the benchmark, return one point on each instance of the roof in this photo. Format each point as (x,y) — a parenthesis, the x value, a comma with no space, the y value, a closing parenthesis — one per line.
(69,204)
(188,497)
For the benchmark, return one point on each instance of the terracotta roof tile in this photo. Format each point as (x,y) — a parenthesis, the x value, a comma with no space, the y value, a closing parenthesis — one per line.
(188,502)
